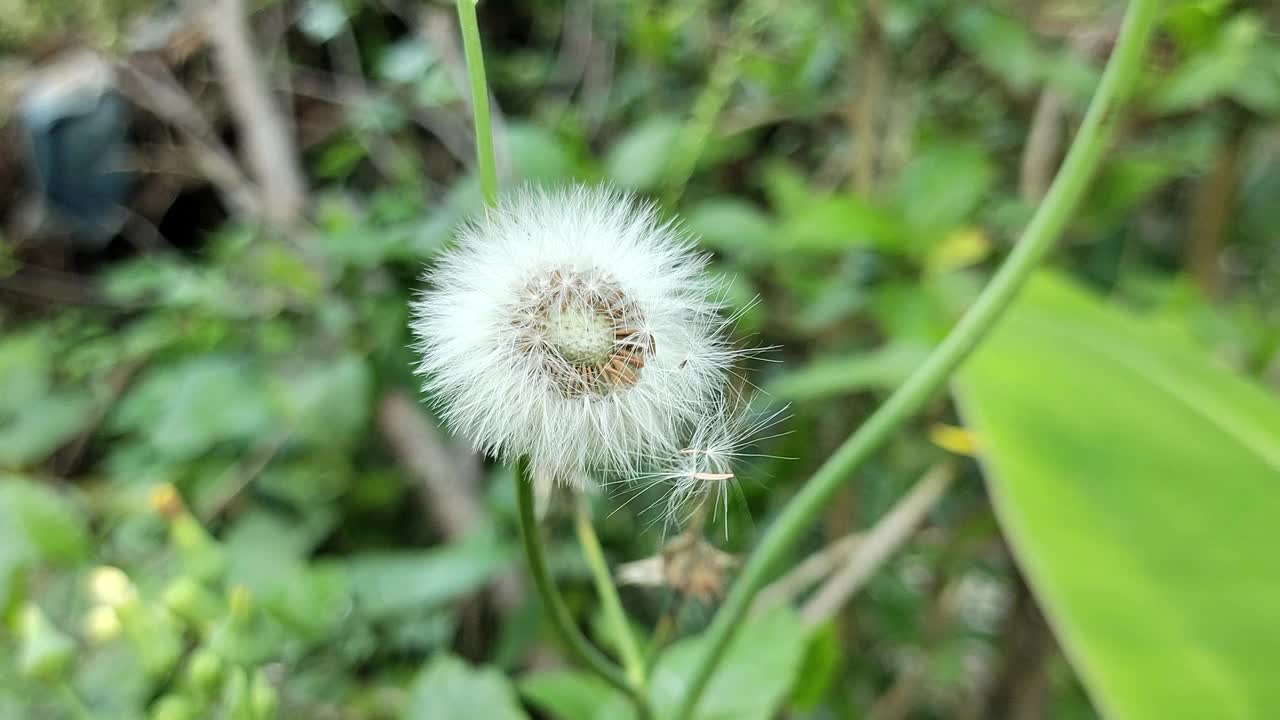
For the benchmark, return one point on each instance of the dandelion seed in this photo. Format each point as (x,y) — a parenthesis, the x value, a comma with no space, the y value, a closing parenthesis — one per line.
(573,327)
(704,471)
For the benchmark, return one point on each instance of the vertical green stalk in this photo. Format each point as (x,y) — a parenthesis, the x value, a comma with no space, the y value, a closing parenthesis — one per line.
(1045,227)
(580,649)
(561,619)
(632,659)
(486,167)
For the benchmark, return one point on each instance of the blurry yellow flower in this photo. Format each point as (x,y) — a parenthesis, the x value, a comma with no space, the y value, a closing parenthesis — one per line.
(109,586)
(101,624)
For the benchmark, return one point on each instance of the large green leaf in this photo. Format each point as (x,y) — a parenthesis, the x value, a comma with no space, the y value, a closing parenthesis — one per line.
(1139,486)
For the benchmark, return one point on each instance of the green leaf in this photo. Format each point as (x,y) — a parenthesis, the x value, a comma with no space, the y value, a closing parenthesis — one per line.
(185,409)
(569,694)
(638,159)
(941,188)
(329,402)
(51,526)
(387,582)
(450,689)
(35,418)
(753,678)
(1139,485)
(38,526)
(731,226)
(1001,44)
(539,154)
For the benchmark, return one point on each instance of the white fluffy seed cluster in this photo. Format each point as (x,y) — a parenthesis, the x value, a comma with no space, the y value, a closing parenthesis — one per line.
(574,327)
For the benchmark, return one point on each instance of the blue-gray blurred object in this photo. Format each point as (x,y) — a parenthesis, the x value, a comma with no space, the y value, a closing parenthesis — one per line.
(76,125)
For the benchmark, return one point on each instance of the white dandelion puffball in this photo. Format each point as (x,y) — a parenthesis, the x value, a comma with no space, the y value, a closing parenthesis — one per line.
(573,327)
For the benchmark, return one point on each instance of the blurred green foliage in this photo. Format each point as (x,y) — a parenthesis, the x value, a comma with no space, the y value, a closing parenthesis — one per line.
(214,429)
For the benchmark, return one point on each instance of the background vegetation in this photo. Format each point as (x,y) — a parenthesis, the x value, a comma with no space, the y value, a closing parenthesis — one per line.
(220,495)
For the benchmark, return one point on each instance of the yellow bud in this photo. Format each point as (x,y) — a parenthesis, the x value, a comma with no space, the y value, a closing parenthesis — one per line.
(101,624)
(164,499)
(111,587)
(954,439)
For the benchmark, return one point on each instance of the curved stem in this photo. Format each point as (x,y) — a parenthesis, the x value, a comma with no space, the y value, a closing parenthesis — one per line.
(628,648)
(1048,222)
(561,619)
(486,167)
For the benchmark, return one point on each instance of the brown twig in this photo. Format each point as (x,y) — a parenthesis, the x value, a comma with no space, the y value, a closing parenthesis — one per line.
(269,148)
(866,104)
(1044,145)
(1212,210)
(878,545)
(448,476)
(810,571)
(152,86)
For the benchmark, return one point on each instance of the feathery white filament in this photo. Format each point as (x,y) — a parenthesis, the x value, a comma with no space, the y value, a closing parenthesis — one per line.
(706,468)
(575,327)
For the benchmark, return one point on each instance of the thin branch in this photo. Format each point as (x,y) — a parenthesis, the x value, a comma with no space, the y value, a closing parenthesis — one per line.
(449,478)
(1044,142)
(878,545)
(155,89)
(813,569)
(269,148)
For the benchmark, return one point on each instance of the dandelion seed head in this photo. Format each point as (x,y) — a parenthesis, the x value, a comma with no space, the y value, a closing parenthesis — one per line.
(575,327)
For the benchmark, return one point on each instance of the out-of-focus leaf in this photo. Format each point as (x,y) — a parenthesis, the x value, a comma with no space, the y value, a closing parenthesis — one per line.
(50,526)
(1239,64)
(570,694)
(1138,484)
(538,154)
(29,435)
(35,418)
(732,227)
(185,409)
(941,187)
(1000,43)
(837,222)
(387,582)
(328,402)
(37,526)
(406,61)
(882,368)
(639,158)
(450,689)
(752,680)
(821,664)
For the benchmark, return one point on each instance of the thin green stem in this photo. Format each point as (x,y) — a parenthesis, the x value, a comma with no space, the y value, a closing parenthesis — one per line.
(575,642)
(1045,227)
(486,167)
(632,659)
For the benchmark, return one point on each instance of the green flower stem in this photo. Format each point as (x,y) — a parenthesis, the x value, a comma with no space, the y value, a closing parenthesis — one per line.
(486,167)
(578,646)
(632,659)
(1045,227)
